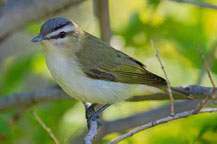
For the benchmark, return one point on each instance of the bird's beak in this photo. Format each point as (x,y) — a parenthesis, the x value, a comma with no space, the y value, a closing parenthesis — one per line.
(38,38)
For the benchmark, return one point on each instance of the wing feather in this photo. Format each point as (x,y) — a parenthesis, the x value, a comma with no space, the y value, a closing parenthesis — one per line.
(101,61)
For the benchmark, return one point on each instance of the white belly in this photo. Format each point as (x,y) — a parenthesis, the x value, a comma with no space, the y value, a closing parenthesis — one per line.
(72,80)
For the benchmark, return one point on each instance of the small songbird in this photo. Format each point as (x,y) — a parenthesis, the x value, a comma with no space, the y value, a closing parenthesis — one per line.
(90,70)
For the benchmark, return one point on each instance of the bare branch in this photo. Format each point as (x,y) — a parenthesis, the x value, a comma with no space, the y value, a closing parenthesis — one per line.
(91,133)
(167,79)
(197,3)
(160,121)
(47,129)
(57,94)
(33,97)
(15,14)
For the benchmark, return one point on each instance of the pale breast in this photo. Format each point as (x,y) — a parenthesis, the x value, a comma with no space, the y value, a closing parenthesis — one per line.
(74,82)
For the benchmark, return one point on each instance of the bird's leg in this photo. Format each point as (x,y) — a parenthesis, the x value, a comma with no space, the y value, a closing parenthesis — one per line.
(95,115)
(90,110)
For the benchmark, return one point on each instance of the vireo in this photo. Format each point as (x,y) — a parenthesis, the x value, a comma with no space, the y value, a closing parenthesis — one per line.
(89,69)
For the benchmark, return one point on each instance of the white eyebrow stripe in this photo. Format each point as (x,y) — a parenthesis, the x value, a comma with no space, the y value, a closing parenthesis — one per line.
(67,28)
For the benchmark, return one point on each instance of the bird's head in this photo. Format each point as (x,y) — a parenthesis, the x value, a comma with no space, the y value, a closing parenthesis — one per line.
(59,34)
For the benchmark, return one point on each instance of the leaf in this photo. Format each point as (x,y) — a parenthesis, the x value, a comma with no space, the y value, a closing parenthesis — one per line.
(153,3)
(5,130)
(15,73)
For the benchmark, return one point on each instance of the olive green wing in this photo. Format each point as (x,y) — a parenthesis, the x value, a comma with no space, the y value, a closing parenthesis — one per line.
(124,74)
(100,61)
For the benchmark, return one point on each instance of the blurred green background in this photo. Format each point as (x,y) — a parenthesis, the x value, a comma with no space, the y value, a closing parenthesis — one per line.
(176,30)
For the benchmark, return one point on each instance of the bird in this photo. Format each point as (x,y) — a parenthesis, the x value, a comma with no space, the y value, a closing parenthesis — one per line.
(91,70)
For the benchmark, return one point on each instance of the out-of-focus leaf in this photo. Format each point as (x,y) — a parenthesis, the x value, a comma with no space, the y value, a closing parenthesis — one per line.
(153,3)
(208,127)
(169,140)
(5,131)
(15,73)
(185,36)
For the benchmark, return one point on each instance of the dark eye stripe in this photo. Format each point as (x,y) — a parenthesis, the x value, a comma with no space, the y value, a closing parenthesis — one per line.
(57,36)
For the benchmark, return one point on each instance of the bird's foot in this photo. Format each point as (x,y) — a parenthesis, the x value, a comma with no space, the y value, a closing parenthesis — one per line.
(90,111)
(94,114)
(94,117)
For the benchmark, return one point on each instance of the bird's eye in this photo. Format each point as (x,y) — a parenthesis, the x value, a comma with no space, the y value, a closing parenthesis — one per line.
(62,34)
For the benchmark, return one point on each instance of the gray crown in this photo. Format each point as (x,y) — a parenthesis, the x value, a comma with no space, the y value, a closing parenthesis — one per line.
(53,24)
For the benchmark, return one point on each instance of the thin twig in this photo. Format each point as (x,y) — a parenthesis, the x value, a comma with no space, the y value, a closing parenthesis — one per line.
(208,71)
(210,60)
(160,121)
(197,3)
(45,127)
(211,79)
(168,82)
